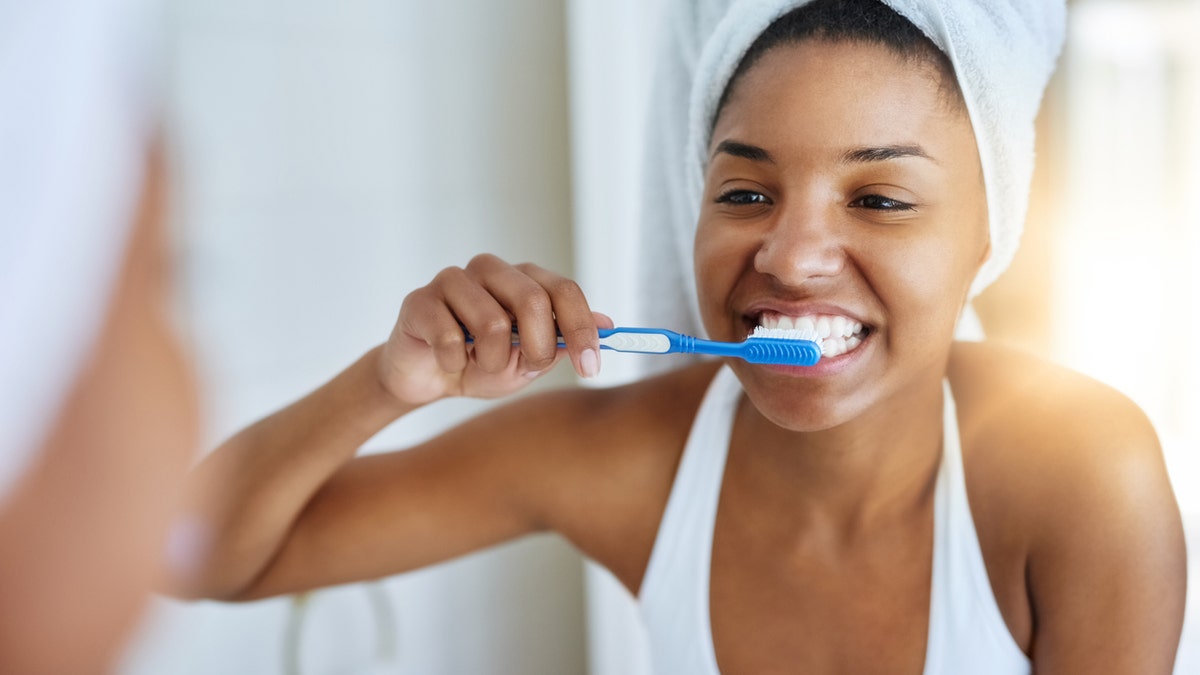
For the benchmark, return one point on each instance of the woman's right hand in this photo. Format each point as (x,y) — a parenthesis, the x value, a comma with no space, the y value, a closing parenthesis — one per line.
(427,356)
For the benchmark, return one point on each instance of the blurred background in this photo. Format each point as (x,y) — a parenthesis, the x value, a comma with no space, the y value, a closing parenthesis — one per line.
(327,158)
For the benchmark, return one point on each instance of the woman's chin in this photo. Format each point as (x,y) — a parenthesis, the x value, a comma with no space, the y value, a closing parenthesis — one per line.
(803,411)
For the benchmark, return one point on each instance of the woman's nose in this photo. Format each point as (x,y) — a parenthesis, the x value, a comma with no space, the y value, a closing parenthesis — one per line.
(801,246)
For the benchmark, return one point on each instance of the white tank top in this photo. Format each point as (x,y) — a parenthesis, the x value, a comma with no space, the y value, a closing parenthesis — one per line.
(967,633)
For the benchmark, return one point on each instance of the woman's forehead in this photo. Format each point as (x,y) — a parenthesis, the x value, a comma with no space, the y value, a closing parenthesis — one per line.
(840,95)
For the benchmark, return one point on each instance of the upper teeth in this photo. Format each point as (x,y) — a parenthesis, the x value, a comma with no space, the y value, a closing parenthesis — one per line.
(825,326)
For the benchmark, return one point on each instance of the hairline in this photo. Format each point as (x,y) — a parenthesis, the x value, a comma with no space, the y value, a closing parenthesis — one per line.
(929,56)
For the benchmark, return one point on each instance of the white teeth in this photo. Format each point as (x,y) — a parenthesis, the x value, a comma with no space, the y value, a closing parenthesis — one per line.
(834,346)
(839,334)
(838,325)
(823,327)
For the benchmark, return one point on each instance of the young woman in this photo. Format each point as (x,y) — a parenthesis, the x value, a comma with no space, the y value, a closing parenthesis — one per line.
(770,519)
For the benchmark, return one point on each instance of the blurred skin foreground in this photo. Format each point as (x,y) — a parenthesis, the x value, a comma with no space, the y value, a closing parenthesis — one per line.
(82,534)
(842,184)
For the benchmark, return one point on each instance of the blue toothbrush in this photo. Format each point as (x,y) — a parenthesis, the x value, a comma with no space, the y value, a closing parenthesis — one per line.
(766,345)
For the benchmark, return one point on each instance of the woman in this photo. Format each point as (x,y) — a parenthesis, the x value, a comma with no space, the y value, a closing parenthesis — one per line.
(769,519)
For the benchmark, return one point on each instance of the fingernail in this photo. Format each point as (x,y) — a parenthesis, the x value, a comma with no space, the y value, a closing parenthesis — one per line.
(533,374)
(589,361)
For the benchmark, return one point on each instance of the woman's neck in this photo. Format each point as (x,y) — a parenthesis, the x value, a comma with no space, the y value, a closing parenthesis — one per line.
(881,464)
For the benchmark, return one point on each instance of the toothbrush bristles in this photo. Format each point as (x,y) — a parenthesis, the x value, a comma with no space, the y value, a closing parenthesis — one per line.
(785,334)
(783,346)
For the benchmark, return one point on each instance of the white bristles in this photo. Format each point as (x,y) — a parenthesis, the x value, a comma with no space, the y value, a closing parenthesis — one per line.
(785,334)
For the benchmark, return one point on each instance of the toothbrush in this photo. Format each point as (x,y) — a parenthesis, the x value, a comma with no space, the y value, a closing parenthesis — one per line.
(774,346)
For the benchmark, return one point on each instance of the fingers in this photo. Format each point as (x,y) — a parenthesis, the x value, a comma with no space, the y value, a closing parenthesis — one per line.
(426,317)
(528,302)
(574,318)
(487,297)
(488,321)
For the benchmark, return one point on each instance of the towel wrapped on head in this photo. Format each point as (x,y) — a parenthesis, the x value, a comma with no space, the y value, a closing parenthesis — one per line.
(1002,52)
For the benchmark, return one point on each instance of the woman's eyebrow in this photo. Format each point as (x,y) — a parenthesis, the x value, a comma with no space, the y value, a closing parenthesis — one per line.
(884,153)
(743,150)
(852,156)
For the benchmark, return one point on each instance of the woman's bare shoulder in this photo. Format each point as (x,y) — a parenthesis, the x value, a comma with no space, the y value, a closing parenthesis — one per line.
(597,465)
(582,420)
(1038,413)
(1067,479)
(624,441)
(1047,433)
(1072,504)
(609,424)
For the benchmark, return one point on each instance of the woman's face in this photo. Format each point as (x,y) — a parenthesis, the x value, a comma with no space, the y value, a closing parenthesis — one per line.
(844,188)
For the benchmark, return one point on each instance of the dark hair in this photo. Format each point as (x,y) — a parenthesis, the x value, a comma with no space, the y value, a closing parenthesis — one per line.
(868,21)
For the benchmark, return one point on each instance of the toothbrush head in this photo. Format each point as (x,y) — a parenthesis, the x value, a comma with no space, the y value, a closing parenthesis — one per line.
(782,346)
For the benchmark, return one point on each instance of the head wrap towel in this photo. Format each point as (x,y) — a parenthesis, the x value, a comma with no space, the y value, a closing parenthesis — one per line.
(1003,52)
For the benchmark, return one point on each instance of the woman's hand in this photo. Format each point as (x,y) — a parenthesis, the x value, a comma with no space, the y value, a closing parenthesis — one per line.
(427,356)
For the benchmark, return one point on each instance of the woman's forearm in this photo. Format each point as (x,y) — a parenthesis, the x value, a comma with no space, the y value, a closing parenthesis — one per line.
(249,499)
(244,498)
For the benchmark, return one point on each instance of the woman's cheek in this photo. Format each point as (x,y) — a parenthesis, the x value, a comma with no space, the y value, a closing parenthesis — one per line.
(909,278)
(716,253)
(705,272)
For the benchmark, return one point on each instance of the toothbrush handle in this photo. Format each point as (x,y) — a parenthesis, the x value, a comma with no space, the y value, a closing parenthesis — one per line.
(714,348)
(634,340)
(661,341)
(792,352)
(643,340)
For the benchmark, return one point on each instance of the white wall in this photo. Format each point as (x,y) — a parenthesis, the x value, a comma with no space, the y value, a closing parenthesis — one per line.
(330,157)
(613,47)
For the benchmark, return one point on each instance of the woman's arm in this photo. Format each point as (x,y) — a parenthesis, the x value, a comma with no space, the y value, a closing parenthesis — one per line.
(285,508)
(1107,565)
(244,496)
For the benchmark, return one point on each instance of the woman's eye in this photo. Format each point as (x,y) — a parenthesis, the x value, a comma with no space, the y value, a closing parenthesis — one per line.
(881,203)
(742,197)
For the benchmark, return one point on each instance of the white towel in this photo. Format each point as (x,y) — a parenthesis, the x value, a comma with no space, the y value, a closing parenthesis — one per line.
(1003,52)
(75,102)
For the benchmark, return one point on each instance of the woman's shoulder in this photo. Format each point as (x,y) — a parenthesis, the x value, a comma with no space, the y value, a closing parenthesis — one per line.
(1040,413)
(583,417)
(600,462)
(1072,503)
(625,439)
(1056,458)
(1068,491)
(639,413)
